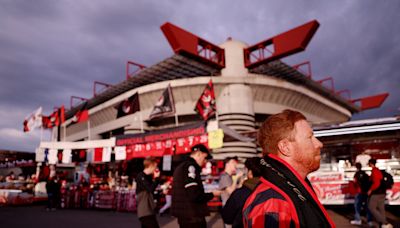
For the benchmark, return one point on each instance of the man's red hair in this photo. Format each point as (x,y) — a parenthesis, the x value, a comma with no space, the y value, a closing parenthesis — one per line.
(277,127)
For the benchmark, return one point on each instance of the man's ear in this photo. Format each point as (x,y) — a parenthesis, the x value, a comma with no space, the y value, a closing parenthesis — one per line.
(284,147)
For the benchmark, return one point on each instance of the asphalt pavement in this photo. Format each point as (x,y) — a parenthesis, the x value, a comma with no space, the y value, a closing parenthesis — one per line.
(37,216)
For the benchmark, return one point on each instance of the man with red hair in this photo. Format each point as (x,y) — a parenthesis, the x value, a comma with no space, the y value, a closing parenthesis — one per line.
(284,197)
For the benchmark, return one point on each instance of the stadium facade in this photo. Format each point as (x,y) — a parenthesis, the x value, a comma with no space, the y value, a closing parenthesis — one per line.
(250,83)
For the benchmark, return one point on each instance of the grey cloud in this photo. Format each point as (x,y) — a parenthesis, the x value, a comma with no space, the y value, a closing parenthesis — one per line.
(50,50)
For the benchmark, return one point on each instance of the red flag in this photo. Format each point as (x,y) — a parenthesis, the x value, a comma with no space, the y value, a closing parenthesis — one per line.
(206,105)
(129,106)
(61,112)
(46,123)
(98,155)
(81,115)
(55,119)
(165,105)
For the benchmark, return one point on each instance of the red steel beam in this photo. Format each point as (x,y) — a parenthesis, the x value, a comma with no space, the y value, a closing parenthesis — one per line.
(328,79)
(308,72)
(130,73)
(371,102)
(105,85)
(186,43)
(340,92)
(76,98)
(284,44)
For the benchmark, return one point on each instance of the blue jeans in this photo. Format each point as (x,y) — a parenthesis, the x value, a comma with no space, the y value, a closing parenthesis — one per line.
(360,201)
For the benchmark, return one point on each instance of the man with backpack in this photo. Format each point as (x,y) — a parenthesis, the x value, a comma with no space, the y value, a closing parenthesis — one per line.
(361,180)
(377,195)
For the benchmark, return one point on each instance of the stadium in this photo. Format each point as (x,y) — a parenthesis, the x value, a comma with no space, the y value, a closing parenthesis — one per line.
(247,84)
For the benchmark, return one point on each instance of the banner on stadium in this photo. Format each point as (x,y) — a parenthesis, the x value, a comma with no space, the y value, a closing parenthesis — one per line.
(176,140)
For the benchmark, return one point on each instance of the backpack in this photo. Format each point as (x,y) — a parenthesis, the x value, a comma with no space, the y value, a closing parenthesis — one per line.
(387,180)
(363,181)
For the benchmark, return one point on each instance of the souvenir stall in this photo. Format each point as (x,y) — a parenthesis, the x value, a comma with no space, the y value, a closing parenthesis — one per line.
(17,179)
(100,178)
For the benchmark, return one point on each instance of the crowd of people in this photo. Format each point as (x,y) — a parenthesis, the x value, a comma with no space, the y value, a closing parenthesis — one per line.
(275,191)
(271,191)
(371,194)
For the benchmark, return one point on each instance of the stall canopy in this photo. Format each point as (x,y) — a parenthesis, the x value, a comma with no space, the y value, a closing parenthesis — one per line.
(169,141)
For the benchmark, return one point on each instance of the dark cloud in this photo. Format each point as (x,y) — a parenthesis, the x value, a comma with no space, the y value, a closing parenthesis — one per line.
(50,50)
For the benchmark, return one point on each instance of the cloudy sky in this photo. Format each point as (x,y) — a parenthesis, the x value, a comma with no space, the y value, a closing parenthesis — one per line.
(50,50)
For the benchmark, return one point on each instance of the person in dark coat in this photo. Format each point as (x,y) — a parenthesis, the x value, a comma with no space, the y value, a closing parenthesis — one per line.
(189,201)
(52,189)
(361,180)
(232,211)
(145,187)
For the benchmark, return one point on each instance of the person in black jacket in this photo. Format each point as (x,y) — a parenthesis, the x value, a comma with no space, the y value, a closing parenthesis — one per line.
(232,211)
(145,187)
(189,201)
(361,179)
(52,189)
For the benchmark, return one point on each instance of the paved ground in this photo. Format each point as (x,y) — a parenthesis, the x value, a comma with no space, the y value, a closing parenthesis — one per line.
(37,216)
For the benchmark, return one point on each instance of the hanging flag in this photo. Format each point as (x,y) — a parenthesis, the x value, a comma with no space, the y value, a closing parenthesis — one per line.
(51,121)
(120,153)
(61,113)
(46,155)
(59,156)
(106,154)
(52,156)
(79,155)
(67,156)
(165,105)
(55,119)
(129,106)
(206,105)
(81,115)
(33,120)
(90,155)
(39,155)
(98,155)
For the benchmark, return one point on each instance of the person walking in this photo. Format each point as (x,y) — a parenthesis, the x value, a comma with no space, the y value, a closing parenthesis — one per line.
(189,201)
(226,183)
(145,187)
(377,195)
(284,197)
(167,191)
(232,211)
(361,180)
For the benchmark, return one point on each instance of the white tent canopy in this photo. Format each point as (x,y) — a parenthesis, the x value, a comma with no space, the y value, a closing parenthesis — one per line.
(79,145)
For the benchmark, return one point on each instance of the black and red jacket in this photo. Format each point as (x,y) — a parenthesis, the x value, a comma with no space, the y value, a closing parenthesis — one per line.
(283,199)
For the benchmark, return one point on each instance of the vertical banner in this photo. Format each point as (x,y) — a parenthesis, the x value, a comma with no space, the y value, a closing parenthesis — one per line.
(106,154)
(120,153)
(39,155)
(167,163)
(52,156)
(67,156)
